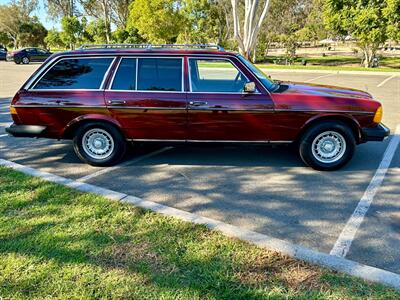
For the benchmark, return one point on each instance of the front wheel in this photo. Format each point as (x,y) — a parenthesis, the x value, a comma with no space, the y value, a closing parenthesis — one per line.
(99,144)
(327,146)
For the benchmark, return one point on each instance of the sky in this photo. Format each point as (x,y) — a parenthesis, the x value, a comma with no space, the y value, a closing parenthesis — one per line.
(41,14)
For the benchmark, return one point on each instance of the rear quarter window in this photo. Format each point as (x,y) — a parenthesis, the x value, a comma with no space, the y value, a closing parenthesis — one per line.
(75,73)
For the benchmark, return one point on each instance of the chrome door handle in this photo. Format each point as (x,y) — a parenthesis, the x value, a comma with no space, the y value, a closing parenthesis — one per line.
(198,103)
(116,102)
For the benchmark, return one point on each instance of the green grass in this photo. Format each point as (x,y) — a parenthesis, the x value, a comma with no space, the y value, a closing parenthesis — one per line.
(327,68)
(332,63)
(56,243)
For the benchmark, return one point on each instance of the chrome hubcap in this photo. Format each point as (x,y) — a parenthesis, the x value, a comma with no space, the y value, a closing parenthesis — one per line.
(98,143)
(25,60)
(329,147)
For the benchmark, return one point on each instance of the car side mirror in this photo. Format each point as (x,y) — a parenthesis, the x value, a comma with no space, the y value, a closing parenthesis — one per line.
(249,87)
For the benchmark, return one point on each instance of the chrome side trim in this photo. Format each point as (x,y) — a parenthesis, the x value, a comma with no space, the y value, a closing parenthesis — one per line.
(145,108)
(55,105)
(325,111)
(183,108)
(210,141)
(64,90)
(229,109)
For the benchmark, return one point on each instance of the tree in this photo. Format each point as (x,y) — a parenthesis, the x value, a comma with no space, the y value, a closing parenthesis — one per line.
(120,12)
(246,32)
(62,8)
(158,21)
(95,32)
(72,30)
(53,39)
(14,16)
(202,21)
(370,22)
(32,33)
(5,39)
(291,22)
(392,13)
(100,9)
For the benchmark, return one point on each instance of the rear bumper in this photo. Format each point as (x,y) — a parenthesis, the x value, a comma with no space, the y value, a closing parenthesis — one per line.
(25,130)
(377,133)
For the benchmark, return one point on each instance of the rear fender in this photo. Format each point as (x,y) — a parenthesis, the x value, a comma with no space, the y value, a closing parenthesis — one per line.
(71,126)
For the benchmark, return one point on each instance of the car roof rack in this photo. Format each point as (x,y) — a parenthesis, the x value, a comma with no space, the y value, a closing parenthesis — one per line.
(152,46)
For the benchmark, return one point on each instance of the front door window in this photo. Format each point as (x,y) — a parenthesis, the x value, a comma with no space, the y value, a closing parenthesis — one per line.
(215,76)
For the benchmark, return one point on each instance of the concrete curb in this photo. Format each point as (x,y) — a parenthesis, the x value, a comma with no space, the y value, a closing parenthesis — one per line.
(368,73)
(325,260)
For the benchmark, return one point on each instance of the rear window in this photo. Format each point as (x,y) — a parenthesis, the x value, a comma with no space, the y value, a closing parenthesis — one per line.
(159,74)
(79,73)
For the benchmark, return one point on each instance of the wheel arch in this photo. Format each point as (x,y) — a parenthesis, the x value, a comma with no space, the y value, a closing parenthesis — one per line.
(348,120)
(68,132)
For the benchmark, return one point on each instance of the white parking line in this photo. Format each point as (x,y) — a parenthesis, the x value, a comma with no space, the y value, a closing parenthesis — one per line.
(3,135)
(322,76)
(386,80)
(261,240)
(343,243)
(127,163)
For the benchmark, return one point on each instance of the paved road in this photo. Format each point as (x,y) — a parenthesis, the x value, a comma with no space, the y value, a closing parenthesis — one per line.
(264,189)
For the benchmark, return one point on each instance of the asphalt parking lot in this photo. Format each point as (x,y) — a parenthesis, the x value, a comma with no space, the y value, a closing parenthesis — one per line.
(264,189)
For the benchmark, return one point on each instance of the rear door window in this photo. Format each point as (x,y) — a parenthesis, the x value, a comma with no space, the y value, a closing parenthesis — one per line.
(75,73)
(125,78)
(159,74)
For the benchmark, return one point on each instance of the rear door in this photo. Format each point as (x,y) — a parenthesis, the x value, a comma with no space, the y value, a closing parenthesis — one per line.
(146,96)
(218,108)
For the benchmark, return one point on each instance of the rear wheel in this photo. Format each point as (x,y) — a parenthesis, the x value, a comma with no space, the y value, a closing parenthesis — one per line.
(25,60)
(99,144)
(327,146)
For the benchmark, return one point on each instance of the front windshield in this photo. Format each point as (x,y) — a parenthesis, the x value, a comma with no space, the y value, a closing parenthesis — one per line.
(266,81)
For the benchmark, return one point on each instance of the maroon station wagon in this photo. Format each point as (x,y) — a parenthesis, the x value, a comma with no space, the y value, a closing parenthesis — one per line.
(103,96)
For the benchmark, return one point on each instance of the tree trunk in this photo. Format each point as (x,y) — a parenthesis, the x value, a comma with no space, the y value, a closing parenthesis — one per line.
(369,53)
(106,20)
(247,36)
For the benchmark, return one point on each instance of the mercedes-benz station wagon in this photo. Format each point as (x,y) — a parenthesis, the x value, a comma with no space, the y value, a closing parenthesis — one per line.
(104,96)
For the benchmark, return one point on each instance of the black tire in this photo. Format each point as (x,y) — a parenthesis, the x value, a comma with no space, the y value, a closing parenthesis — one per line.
(25,60)
(328,131)
(108,131)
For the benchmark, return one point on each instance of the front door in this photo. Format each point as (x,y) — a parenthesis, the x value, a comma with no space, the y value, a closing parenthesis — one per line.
(41,54)
(146,96)
(218,108)
(32,53)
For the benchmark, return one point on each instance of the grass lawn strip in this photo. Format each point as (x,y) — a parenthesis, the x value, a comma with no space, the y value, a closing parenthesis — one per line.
(59,243)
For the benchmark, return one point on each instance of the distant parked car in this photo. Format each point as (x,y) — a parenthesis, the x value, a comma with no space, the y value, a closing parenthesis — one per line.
(27,55)
(3,54)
